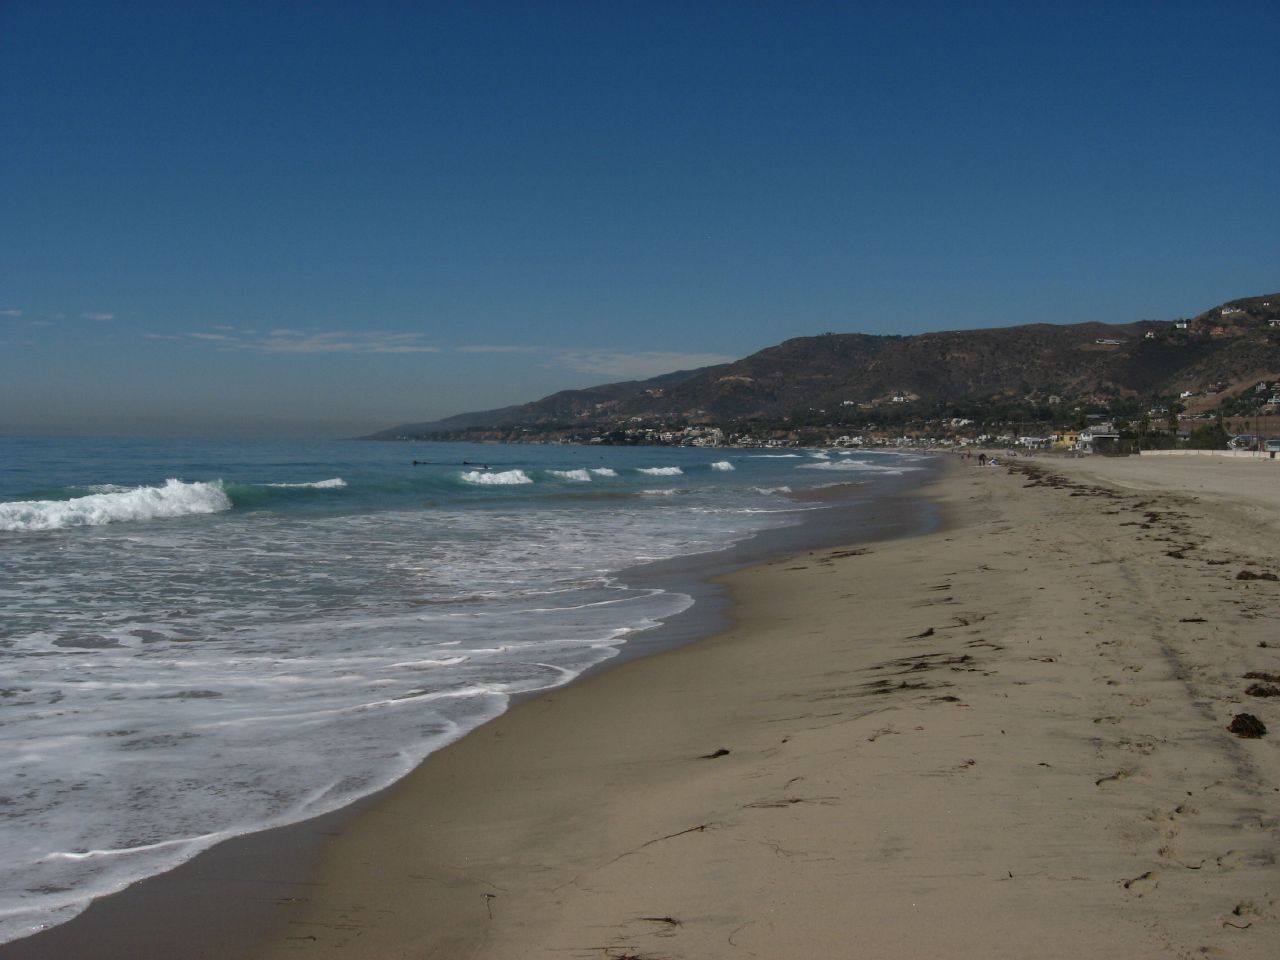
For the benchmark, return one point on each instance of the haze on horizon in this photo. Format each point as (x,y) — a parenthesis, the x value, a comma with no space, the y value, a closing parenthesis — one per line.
(326,219)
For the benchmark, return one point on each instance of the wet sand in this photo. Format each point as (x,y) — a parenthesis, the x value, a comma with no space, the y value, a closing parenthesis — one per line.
(1007,738)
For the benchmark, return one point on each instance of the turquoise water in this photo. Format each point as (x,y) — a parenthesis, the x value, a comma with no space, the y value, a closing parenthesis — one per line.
(202,639)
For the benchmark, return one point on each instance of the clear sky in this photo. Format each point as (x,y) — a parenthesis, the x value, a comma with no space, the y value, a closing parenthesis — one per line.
(324,218)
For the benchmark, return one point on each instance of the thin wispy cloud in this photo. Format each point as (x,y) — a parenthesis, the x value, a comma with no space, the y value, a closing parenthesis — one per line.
(493,348)
(98,315)
(293,341)
(640,365)
(288,340)
(604,363)
(616,364)
(10,313)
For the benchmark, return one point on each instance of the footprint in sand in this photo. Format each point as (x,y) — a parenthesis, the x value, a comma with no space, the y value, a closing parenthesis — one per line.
(1246,909)
(1143,884)
(1170,852)
(1235,859)
(1144,748)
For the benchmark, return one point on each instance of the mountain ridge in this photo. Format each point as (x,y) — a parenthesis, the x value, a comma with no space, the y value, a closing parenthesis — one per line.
(1221,349)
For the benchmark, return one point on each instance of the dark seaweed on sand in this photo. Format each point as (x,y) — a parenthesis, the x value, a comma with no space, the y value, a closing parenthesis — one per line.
(1247,725)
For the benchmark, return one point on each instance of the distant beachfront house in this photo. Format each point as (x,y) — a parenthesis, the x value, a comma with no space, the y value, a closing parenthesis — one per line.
(1181,324)
(1090,437)
(1067,440)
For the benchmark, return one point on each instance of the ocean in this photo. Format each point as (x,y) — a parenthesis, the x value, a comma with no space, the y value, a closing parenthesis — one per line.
(203,639)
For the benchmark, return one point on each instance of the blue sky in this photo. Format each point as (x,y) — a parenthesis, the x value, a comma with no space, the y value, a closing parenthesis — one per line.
(325,218)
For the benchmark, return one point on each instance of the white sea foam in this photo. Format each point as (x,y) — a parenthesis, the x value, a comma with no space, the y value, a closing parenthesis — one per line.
(604,471)
(768,490)
(504,478)
(669,491)
(427,664)
(315,484)
(775,456)
(662,471)
(174,499)
(855,466)
(578,476)
(722,465)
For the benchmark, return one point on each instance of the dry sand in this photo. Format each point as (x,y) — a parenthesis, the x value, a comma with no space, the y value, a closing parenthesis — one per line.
(1005,739)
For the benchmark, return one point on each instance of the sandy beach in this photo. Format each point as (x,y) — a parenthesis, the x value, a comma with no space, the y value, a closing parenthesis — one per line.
(1007,738)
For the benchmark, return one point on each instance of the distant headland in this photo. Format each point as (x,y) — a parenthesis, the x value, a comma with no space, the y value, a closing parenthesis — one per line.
(1193,380)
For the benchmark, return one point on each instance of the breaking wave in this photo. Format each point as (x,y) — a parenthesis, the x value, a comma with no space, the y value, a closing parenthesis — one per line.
(604,471)
(855,466)
(722,465)
(505,478)
(662,471)
(174,499)
(578,476)
(314,485)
